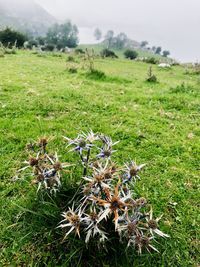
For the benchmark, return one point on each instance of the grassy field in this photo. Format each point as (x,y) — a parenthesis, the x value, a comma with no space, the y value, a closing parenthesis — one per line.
(156,123)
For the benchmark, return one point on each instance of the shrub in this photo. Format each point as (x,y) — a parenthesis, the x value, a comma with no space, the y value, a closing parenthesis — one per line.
(96,74)
(103,208)
(72,69)
(10,38)
(32,43)
(196,68)
(79,51)
(151,60)
(151,77)
(49,47)
(131,54)
(108,53)
(56,54)
(7,50)
(11,51)
(70,59)
(183,88)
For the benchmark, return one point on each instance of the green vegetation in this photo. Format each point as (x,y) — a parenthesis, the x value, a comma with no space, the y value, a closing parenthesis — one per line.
(157,123)
(131,54)
(120,52)
(150,76)
(108,53)
(62,35)
(11,38)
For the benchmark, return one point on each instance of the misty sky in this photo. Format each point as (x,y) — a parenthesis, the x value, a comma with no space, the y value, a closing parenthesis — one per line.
(173,24)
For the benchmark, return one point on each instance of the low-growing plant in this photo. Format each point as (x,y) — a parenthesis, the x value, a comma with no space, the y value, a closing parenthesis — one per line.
(108,53)
(89,65)
(196,69)
(96,75)
(70,59)
(150,76)
(2,50)
(198,80)
(9,49)
(151,60)
(192,69)
(79,51)
(56,54)
(49,47)
(183,88)
(2,54)
(105,205)
(72,69)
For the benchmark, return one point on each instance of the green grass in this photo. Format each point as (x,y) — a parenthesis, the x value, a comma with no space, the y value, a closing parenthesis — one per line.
(153,121)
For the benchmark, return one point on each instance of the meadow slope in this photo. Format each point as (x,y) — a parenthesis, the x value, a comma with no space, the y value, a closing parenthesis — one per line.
(156,123)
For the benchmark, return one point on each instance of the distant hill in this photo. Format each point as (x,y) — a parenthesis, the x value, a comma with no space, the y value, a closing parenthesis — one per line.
(120,52)
(25,15)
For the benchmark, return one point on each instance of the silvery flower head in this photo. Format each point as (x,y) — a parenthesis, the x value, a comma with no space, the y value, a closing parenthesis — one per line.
(107,148)
(131,171)
(83,142)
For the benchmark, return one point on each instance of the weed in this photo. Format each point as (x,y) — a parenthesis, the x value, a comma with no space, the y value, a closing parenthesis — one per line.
(183,88)
(105,197)
(151,77)
(96,75)
(70,59)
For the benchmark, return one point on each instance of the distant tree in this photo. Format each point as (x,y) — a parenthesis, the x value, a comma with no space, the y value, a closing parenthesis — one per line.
(165,53)
(153,48)
(98,34)
(31,43)
(144,44)
(120,40)
(131,54)
(63,35)
(40,40)
(109,37)
(48,47)
(158,50)
(9,37)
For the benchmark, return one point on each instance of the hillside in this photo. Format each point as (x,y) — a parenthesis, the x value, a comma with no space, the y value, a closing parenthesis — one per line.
(156,124)
(120,52)
(25,15)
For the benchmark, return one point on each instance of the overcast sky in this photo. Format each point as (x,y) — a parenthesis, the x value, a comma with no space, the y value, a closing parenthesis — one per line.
(173,24)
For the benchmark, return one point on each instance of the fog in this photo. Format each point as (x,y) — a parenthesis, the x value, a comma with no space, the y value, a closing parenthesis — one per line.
(172,24)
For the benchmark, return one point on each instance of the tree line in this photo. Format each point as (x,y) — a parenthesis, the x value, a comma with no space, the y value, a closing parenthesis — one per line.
(121,41)
(60,36)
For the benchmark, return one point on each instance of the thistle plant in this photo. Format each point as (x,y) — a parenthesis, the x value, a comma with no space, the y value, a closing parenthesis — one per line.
(105,204)
(150,76)
(44,168)
(89,60)
(106,196)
